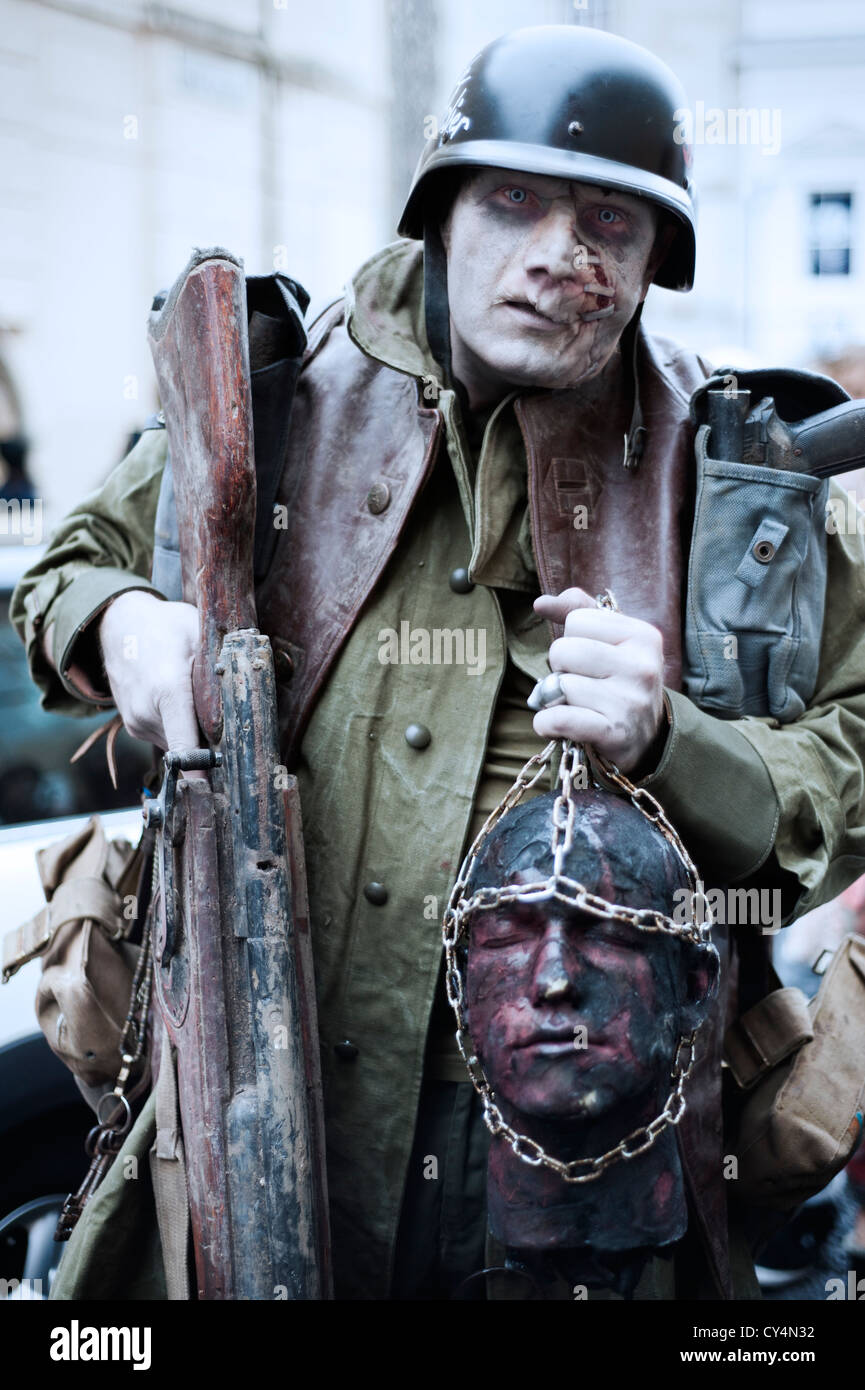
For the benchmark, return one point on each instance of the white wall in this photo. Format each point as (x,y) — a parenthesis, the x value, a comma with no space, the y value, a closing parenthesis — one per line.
(252,126)
(807,63)
(264,125)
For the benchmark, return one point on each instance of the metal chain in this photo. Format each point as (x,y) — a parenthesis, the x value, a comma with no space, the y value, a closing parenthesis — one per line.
(134,1034)
(637,1142)
(574,763)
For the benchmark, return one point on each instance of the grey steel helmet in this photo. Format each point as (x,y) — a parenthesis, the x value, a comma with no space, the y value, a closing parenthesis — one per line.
(575,103)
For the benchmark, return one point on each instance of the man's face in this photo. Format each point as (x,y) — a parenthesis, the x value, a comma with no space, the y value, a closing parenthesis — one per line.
(543,276)
(571,1015)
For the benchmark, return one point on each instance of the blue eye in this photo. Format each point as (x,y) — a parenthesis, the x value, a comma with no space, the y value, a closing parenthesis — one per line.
(607,215)
(517,195)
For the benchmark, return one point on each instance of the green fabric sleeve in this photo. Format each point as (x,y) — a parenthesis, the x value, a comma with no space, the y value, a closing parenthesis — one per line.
(751,796)
(717,791)
(73,647)
(101,549)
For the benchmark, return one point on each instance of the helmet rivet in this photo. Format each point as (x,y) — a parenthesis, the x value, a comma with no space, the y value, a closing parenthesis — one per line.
(575,128)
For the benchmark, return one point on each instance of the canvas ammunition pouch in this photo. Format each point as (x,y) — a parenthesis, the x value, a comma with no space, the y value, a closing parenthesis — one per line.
(757,568)
(82,935)
(799,1067)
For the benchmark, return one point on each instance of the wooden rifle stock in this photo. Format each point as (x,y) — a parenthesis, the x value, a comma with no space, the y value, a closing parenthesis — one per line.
(232,957)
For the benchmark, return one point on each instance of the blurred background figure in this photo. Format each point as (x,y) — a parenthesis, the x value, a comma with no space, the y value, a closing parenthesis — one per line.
(825,927)
(848,368)
(15,482)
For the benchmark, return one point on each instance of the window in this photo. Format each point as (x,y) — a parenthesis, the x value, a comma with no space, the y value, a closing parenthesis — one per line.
(831,232)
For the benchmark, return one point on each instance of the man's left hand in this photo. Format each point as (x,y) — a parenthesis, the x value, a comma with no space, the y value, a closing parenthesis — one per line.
(611,669)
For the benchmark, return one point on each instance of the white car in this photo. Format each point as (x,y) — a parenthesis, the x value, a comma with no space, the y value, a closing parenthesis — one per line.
(43,1119)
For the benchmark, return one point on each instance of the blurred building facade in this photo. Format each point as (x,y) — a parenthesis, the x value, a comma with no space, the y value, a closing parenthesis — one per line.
(131,131)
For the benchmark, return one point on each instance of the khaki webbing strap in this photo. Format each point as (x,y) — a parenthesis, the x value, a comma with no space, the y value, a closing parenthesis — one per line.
(321,327)
(766,1034)
(73,900)
(168,1172)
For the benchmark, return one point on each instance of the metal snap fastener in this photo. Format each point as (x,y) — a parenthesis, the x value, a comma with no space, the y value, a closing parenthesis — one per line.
(575,128)
(764,551)
(283,664)
(346,1050)
(375,893)
(418,736)
(378,498)
(460,582)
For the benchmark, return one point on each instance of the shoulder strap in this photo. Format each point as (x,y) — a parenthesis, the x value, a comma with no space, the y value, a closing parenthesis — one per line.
(320,328)
(168,1175)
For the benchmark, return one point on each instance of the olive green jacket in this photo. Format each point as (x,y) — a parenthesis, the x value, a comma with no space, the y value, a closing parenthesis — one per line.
(755,801)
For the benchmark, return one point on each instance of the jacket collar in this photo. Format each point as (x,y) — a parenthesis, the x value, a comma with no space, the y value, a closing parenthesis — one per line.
(385,309)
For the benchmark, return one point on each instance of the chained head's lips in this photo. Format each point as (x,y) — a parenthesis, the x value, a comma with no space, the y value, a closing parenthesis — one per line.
(555,1041)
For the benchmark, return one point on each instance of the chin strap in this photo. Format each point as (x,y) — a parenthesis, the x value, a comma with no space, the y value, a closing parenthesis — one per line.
(435,290)
(635,439)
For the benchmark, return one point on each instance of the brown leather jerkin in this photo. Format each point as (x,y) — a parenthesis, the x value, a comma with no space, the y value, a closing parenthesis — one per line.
(357,422)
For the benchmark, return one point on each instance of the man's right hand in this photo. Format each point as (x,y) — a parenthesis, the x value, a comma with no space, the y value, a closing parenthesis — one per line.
(148,646)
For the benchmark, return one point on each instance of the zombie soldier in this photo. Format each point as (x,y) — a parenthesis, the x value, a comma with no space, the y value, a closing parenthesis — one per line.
(483,437)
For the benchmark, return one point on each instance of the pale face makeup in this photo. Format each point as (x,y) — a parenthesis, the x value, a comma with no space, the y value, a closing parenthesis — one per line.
(543,276)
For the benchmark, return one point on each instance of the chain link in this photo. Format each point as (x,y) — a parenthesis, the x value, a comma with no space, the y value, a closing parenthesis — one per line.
(637,1142)
(575,763)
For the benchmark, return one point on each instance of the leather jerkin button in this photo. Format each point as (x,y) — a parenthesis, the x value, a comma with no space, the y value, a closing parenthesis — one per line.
(460,582)
(346,1051)
(418,736)
(375,893)
(283,665)
(378,498)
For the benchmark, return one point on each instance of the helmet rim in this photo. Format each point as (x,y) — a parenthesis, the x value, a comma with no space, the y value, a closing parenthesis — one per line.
(677,271)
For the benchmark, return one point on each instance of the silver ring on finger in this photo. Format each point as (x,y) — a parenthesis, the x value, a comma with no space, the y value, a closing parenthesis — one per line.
(547,693)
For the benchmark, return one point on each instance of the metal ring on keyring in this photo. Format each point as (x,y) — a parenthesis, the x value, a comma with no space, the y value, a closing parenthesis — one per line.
(115,1101)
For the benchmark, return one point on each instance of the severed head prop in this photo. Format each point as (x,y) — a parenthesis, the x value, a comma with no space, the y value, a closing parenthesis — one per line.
(578,998)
